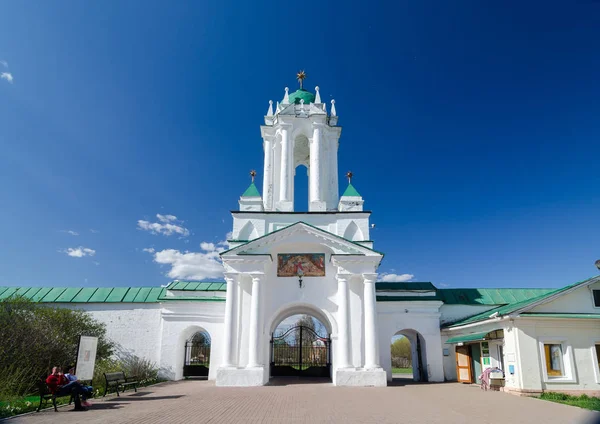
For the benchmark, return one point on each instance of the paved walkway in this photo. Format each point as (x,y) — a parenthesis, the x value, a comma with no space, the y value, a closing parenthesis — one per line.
(201,402)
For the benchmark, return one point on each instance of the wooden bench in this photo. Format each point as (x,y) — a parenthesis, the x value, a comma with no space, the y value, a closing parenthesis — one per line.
(118,379)
(45,395)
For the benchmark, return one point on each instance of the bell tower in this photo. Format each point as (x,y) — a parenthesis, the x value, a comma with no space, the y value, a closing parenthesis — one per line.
(299,131)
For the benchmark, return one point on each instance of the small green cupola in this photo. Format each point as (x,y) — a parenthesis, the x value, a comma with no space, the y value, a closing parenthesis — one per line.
(251,199)
(251,191)
(351,191)
(351,200)
(301,94)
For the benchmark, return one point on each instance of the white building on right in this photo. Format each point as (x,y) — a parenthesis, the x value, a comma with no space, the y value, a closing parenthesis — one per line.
(549,342)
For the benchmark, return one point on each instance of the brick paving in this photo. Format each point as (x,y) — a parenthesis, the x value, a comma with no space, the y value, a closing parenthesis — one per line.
(295,401)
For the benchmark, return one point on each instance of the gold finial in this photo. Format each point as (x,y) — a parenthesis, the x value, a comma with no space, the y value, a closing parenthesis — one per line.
(253,174)
(349,175)
(301,76)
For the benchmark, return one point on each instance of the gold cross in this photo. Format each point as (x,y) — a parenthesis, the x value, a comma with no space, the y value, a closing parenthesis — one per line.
(253,174)
(301,76)
(349,174)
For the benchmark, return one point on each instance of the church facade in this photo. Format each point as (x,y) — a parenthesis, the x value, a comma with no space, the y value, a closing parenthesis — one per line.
(322,262)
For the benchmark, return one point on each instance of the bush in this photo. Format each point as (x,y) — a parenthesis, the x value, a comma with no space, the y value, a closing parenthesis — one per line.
(36,337)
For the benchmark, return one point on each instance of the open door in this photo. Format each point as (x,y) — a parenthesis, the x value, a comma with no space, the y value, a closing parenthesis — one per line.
(464,373)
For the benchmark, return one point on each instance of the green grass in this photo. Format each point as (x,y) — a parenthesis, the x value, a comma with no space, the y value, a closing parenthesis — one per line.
(583,401)
(402,371)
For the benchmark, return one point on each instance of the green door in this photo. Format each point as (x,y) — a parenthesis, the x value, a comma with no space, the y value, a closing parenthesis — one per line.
(476,357)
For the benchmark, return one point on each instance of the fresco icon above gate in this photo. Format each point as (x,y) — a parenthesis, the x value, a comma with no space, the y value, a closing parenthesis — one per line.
(305,264)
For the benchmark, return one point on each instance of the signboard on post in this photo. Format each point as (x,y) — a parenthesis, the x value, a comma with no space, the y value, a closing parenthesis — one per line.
(86,357)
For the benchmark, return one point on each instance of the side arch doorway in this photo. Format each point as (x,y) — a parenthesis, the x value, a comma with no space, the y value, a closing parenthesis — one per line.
(409,356)
(197,355)
(300,348)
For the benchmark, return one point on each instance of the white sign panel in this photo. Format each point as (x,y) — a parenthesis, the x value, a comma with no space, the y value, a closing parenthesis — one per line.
(86,357)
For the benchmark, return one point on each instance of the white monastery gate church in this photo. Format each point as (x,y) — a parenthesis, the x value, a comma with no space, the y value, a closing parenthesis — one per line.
(322,263)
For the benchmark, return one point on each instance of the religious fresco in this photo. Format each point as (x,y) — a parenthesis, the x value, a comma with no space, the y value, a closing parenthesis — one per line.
(305,264)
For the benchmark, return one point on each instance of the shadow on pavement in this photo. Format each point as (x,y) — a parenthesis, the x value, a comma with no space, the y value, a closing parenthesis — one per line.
(134,399)
(294,381)
(409,382)
(138,394)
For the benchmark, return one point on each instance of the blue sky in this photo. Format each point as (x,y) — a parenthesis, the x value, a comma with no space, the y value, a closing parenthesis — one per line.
(471,127)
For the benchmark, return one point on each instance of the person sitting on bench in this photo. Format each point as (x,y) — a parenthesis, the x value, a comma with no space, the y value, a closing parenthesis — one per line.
(59,386)
(72,377)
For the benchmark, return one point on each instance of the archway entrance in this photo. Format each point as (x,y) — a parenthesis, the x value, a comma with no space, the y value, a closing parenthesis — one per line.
(408,356)
(197,355)
(300,347)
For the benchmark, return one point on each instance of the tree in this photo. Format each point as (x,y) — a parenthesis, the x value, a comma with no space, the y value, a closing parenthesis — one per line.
(401,353)
(36,337)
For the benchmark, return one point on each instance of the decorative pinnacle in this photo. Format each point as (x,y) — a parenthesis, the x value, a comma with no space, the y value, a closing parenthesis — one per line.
(349,175)
(301,76)
(253,174)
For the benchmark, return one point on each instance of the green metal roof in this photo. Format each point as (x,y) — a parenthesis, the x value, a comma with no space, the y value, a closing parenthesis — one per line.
(302,94)
(489,296)
(351,191)
(111,294)
(473,337)
(197,286)
(251,191)
(410,285)
(408,298)
(517,306)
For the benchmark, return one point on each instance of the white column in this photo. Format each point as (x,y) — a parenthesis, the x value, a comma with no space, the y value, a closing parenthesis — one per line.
(268,174)
(343,345)
(229,327)
(286,166)
(315,165)
(254,348)
(333,169)
(371,332)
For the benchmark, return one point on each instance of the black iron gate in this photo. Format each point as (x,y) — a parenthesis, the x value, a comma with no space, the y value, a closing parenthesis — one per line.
(300,351)
(197,355)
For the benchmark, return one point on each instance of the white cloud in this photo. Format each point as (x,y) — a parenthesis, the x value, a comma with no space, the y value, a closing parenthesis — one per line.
(148,249)
(188,265)
(166,218)
(96,263)
(94,231)
(7,76)
(73,233)
(207,246)
(79,252)
(4,63)
(395,278)
(168,225)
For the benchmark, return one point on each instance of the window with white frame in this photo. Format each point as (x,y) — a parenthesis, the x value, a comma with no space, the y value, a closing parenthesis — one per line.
(557,360)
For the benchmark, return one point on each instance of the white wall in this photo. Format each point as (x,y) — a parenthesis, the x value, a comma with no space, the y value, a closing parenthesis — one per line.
(158,332)
(334,223)
(578,301)
(180,320)
(134,327)
(423,317)
(577,336)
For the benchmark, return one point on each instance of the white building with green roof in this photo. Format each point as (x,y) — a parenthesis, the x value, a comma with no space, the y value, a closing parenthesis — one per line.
(321,262)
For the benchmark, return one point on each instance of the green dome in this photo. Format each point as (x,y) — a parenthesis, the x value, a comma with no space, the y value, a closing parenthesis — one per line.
(306,95)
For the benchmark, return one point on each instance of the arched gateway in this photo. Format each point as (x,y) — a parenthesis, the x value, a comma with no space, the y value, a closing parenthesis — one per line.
(300,347)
